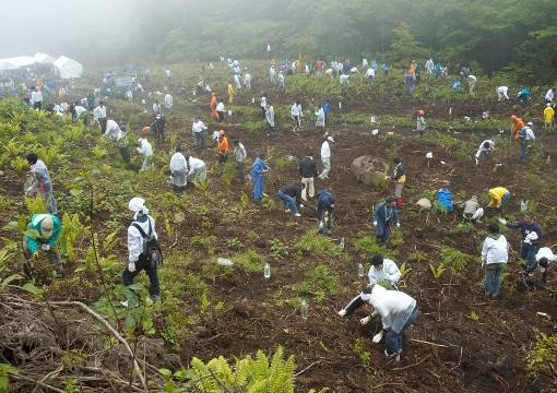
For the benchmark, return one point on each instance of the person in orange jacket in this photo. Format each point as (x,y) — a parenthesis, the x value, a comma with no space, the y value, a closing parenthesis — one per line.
(222,147)
(213,105)
(518,125)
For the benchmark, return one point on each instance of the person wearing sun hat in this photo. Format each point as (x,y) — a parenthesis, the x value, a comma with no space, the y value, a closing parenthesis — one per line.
(42,234)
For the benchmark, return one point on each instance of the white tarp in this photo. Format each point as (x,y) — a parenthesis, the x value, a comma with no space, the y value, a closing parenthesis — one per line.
(68,68)
(13,63)
(43,58)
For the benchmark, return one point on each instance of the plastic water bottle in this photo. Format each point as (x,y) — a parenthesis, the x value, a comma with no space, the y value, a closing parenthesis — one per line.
(548,160)
(523,205)
(342,244)
(304,309)
(224,262)
(267,270)
(361,271)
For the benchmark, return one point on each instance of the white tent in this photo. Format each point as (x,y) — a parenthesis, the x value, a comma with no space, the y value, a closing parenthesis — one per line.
(13,63)
(43,58)
(68,68)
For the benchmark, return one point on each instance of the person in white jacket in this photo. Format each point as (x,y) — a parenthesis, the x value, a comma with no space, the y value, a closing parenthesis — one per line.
(297,115)
(326,157)
(270,117)
(137,260)
(484,151)
(198,129)
(320,115)
(99,114)
(179,170)
(247,80)
(502,92)
(168,101)
(112,130)
(495,256)
(544,257)
(146,150)
(381,271)
(198,169)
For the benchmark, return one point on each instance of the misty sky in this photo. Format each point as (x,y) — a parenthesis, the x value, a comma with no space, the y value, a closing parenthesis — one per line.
(63,26)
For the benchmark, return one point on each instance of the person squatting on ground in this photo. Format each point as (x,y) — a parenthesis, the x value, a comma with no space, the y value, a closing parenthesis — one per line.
(198,129)
(258,170)
(495,256)
(382,272)
(384,215)
(140,233)
(179,170)
(531,235)
(325,211)
(41,237)
(326,157)
(399,178)
(42,182)
(471,210)
(308,172)
(544,257)
(112,130)
(498,198)
(484,152)
(291,196)
(502,92)
(240,155)
(198,169)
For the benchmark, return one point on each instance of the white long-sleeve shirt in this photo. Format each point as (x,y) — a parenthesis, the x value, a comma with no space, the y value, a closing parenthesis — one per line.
(320,114)
(195,164)
(79,110)
(325,150)
(545,252)
(495,250)
(112,129)
(156,108)
(99,112)
(178,162)
(394,307)
(489,149)
(296,111)
(549,95)
(263,102)
(220,107)
(168,101)
(36,96)
(370,72)
(145,149)
(135,240)
(270,116)
(198,126)
(389,272)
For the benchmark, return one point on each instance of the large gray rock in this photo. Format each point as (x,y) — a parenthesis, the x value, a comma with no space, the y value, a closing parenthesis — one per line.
(369,170)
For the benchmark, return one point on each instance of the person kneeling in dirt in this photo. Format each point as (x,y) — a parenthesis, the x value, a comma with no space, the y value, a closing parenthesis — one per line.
(197,168)
(41,237)
(495,255)
(484,151)
(142,248)
(384,215)
(291,196)
(325,210)
(498,198)
(383,272)
(397,310)
(472,210)
(544,257)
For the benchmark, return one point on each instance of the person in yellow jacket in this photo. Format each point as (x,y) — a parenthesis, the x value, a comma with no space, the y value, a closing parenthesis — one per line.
(231,93)
(548,116)
(499,197)
(399,178)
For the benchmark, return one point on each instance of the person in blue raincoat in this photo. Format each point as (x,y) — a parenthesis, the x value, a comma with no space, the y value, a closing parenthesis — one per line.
(326,110)
(258,170)
(445,200)
(384,215)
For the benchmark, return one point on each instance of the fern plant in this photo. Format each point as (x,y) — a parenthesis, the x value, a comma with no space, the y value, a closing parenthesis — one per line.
(437,271)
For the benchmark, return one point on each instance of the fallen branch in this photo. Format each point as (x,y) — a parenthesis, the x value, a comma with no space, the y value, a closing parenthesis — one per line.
(307,368)
(385,384)
(412,365)
(44,385)
(428,343)
(108,327)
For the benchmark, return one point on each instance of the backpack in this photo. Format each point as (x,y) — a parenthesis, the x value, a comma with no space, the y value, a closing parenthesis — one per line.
(151,251)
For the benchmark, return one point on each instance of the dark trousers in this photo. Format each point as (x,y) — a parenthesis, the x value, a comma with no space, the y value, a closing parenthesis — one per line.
(140,264)
(240,171)
(102,122)
(200,140)
(125,153)
(221,116)
(222,158)
(38,105)
(528,253)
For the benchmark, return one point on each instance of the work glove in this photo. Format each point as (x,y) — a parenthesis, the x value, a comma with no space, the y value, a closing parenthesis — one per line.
(45,247)
(301,206)
(398,224)
(131,267)
(365,321)
(374,223)
(377,338)
(502,221)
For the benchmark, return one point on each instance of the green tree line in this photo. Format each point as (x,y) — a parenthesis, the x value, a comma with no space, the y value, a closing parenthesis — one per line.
(497,34)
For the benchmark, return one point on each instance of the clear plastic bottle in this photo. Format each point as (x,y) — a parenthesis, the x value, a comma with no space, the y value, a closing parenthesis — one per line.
(267,270)
(361,271)
(304,309)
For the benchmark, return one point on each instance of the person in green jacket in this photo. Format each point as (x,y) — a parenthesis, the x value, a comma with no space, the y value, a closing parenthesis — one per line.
(42,234)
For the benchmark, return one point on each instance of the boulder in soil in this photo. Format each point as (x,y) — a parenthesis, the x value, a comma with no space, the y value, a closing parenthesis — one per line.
(369,170)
